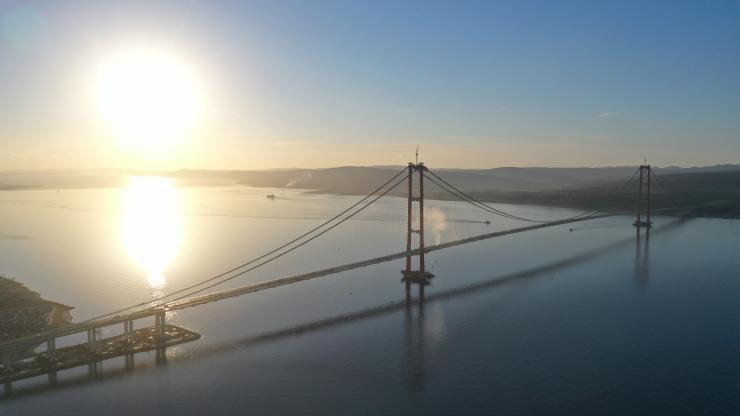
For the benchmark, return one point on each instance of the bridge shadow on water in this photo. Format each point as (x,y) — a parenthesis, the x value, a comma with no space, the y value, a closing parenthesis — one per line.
(414,328)
(642,259)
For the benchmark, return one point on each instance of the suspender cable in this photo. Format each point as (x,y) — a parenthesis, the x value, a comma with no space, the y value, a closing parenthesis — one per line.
(277,256)
(471,200)
(252,261)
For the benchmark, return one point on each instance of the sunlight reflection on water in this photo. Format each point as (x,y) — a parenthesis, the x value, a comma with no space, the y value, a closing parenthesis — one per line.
(562,316)
(151,225)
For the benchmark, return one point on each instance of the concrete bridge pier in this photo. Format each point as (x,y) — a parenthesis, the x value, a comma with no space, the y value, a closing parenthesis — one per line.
(161,357)
(92,370)
(160,322)
(128,330)
(129,360)
(51,348)
(6,360)
(53,379)
(92,338)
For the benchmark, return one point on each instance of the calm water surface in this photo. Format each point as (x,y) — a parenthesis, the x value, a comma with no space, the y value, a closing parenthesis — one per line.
(553,321)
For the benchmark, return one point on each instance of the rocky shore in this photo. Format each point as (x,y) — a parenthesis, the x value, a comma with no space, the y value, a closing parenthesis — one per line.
(24,312)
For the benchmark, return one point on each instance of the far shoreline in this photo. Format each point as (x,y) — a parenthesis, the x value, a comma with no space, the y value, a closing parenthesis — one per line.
(553,199)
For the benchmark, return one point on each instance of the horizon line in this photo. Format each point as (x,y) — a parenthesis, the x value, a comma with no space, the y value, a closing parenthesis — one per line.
(3,171)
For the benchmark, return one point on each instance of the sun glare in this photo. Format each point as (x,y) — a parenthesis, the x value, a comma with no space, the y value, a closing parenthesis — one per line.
(151,225)
(149,99)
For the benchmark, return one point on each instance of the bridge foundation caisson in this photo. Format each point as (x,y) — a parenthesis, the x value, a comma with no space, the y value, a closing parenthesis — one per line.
(419,276)
(643,199)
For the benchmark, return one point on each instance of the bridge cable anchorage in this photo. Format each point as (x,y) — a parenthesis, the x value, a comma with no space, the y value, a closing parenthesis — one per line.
(471,200)
(277,256)
(252,261)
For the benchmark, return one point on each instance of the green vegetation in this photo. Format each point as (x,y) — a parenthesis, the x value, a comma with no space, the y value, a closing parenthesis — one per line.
(23,311)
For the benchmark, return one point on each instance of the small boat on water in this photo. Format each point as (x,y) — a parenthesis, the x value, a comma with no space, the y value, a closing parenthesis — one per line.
(270,196)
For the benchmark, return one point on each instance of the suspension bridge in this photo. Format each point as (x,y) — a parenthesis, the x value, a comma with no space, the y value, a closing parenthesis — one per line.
(19,358)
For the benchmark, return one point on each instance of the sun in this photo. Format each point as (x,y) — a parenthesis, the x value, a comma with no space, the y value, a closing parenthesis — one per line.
(149,99)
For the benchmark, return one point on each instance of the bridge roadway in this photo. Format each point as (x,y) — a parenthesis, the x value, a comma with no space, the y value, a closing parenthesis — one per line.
(242,290)
(12,348)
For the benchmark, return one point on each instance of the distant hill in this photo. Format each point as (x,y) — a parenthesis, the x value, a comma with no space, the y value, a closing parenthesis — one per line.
(348,179)
(712,194)
(578,187)
(357,180)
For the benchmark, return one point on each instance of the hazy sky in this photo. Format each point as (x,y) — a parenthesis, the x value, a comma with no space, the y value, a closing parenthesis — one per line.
(309,83)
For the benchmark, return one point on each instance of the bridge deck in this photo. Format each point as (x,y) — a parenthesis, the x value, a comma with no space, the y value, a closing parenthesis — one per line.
(145,339)
(229,293)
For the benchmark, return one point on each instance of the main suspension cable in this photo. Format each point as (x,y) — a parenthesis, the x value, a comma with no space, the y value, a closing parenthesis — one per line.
(454,193)
(277,256)
(471,200)
(252,261)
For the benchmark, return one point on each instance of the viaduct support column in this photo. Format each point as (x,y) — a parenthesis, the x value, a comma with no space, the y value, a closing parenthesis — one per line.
(159,322)
(92,338)
(51,348)
(128,330)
